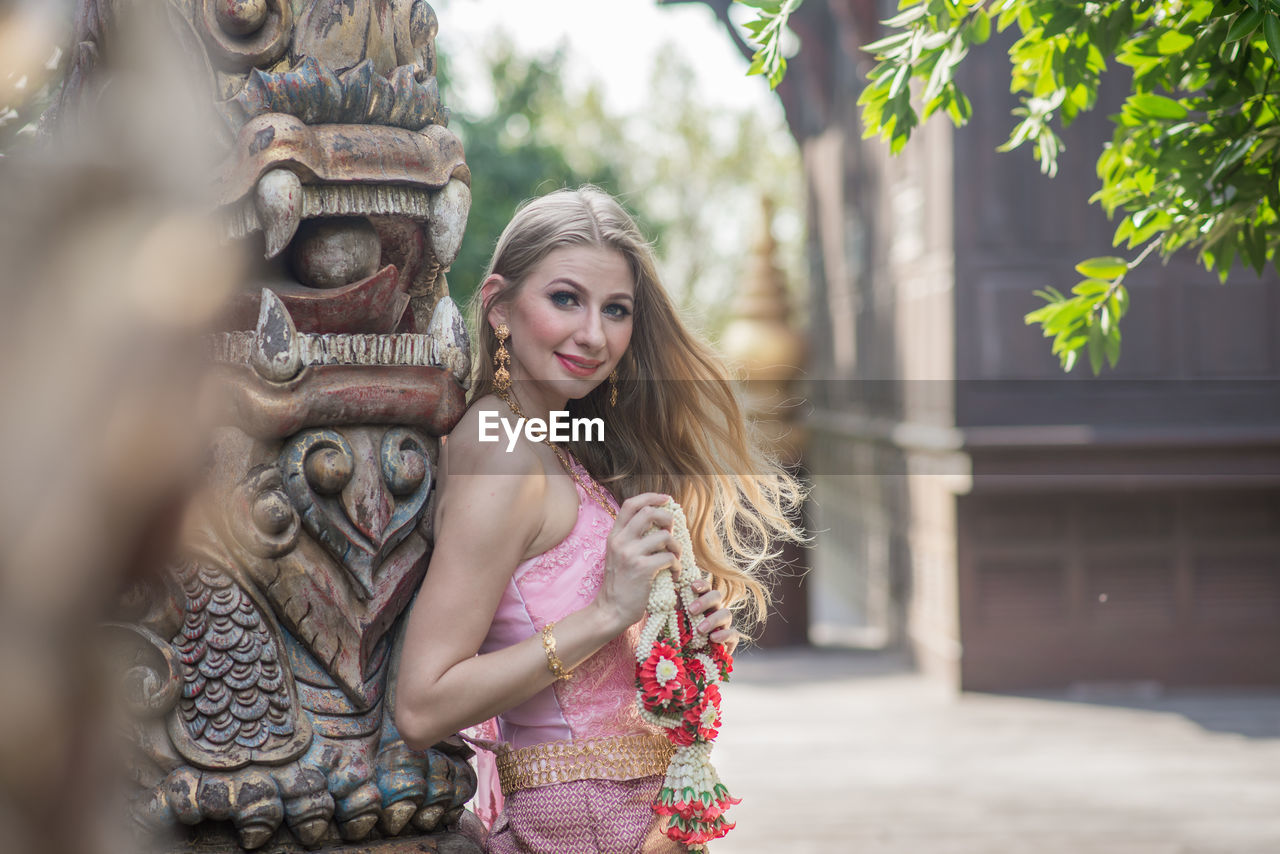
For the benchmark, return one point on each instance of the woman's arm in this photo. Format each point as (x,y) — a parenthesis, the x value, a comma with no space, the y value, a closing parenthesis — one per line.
(491,510)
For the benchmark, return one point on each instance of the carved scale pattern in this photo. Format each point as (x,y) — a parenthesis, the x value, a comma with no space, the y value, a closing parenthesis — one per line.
(233,681)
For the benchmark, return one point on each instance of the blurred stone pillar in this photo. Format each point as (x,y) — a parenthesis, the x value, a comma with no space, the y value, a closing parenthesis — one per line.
(256,664)
(770,355)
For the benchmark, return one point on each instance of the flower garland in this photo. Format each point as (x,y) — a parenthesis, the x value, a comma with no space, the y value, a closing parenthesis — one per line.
(678,672)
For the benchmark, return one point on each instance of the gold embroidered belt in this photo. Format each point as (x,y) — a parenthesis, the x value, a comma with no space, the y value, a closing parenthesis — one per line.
(622,757)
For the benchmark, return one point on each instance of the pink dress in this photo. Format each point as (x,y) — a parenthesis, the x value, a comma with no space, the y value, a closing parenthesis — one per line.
(586,815)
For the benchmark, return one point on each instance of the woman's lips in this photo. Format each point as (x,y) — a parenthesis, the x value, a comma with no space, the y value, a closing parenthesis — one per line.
(578,368)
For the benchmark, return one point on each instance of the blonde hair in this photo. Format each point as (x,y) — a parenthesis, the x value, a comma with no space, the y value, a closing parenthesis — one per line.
(677,428)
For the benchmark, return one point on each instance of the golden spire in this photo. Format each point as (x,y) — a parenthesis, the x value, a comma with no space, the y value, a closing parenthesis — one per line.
(759,338)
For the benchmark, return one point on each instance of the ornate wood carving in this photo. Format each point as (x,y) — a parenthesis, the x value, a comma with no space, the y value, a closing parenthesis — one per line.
(257,672)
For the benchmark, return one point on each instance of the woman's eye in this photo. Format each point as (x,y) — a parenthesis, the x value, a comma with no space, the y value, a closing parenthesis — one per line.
(564,298)
(616,309)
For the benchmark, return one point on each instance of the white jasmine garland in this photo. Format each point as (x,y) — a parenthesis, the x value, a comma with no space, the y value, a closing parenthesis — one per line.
(685,706)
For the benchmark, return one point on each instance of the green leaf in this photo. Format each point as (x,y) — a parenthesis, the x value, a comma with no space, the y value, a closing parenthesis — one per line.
(911,15)
(1156,106)
(978,30)
(1172,41)
(1112,345)
(960,110)
(1040,315)
(1097,353)
(1103,268)
(1244,25)
(1271,29)
(899,81)
(1229,51)
(1053,318)
(1231,155)
(1008,15)
(1067,342)
(779,71)
(1064,317)
(1062,19)
(1091,287)
(1120,301)
(1125,229)
(1255,248)
(1046,83)
(879,47)
(767,32)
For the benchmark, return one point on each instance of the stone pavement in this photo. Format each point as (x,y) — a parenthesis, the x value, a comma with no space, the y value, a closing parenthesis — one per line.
(844,751)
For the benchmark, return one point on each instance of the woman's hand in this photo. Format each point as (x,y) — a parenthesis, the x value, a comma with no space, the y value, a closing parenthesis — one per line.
(639,545)
(716,622)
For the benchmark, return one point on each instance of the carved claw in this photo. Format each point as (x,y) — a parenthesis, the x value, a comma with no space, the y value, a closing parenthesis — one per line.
(357,800)
(275,354)
(312,831)
(255,835)
(450,783)
(181,790)
(308,806)
(256,808)
(279,202)
(357,828)
(403,784)
(396,816)
(249,799)
(428,818)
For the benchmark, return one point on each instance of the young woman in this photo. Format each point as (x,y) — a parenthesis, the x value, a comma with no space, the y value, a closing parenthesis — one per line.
(545,551)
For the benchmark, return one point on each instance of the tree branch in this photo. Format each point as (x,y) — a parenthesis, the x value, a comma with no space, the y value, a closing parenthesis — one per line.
(721,9)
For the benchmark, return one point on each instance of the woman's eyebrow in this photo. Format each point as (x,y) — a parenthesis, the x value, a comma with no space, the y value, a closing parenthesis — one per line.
(565,280)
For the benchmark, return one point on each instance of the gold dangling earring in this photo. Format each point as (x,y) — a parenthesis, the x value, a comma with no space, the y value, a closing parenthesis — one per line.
(502,360)
(613,387)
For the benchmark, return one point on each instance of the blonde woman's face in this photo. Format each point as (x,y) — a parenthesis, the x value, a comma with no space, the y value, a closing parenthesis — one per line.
(571,321)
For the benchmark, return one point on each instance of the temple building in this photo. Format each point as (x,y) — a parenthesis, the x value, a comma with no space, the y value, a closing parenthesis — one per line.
(1012,525)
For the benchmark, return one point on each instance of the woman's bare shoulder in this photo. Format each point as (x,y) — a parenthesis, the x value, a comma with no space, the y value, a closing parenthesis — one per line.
(479,444)
(484,484)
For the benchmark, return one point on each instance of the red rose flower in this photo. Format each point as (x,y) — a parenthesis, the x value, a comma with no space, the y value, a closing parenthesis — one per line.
(723,658)
(704,718)
(682,621)
(683,735)
(661,678)
(697,671)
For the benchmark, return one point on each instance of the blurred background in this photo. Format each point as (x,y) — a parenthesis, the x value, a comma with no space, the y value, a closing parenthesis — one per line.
(1102,552)
(1040,610)
(1011,525)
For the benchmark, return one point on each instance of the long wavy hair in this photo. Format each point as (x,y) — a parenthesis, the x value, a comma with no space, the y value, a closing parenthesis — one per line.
(677,427)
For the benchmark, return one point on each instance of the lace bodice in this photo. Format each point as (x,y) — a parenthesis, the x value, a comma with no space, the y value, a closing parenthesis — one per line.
(599,700)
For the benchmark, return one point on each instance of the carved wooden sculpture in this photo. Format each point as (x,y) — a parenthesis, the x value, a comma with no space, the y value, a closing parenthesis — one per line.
(259,667)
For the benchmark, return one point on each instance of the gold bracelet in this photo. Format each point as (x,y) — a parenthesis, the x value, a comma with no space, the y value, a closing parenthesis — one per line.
(549,647)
